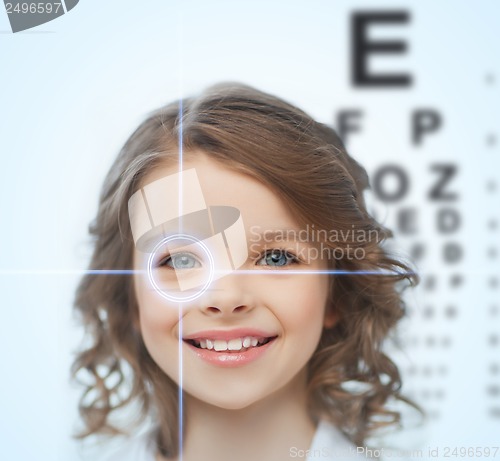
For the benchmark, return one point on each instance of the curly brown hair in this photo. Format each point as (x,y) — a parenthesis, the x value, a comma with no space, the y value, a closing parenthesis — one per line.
(307,165)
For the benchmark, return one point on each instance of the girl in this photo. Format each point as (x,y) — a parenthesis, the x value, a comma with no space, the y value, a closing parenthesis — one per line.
(274,351)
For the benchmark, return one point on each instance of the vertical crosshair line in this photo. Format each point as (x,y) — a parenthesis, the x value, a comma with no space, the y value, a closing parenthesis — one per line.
(181,402)
(180,154)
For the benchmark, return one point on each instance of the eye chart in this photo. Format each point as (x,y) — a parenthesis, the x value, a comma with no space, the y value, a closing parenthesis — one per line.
(434,119)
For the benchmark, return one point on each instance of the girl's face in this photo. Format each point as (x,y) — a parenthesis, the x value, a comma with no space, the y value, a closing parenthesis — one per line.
(263,300)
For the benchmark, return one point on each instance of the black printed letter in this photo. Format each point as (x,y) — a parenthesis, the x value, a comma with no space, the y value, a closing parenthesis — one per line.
(362,48)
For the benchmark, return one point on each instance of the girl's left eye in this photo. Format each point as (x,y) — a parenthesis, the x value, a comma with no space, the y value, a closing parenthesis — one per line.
(181,261)
(277,258)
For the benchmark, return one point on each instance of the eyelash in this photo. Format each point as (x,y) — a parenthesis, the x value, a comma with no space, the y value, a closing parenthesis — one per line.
(291,258)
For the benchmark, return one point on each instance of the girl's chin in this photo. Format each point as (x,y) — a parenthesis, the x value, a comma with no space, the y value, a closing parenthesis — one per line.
(228,402)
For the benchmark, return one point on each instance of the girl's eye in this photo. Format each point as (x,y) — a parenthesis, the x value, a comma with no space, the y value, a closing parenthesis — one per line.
(181,261)
(277,258)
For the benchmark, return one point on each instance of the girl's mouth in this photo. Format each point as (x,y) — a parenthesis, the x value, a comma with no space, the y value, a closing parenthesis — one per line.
(236,345)
(231,348)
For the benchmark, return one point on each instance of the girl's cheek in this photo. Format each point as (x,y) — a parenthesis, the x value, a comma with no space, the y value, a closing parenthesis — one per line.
(298,302)
(312,299)
(155,313)
(158,323)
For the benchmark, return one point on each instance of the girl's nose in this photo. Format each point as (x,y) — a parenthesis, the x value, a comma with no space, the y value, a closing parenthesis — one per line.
(222,310)
(227,296)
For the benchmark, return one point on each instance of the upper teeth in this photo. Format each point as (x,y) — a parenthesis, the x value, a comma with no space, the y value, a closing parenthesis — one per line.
(232,345)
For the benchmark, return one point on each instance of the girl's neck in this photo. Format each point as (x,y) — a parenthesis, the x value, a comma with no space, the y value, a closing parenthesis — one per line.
(266,430)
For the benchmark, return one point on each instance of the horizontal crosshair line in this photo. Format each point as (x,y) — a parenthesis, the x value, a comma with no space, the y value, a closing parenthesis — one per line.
(235,272)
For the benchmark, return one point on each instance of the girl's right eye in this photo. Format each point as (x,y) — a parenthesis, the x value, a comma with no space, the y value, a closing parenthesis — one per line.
(277,258)
(180,261)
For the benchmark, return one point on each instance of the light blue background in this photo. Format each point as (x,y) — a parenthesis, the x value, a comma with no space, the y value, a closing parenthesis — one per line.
(72,90)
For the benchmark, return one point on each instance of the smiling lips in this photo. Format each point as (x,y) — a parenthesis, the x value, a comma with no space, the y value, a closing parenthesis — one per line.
(229,348)
(237,344)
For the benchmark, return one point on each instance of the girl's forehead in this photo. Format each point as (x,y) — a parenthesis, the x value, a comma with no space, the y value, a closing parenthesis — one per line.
(202,197)
(222,186)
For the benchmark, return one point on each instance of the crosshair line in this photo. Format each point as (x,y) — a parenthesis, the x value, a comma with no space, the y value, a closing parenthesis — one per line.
(235,272)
